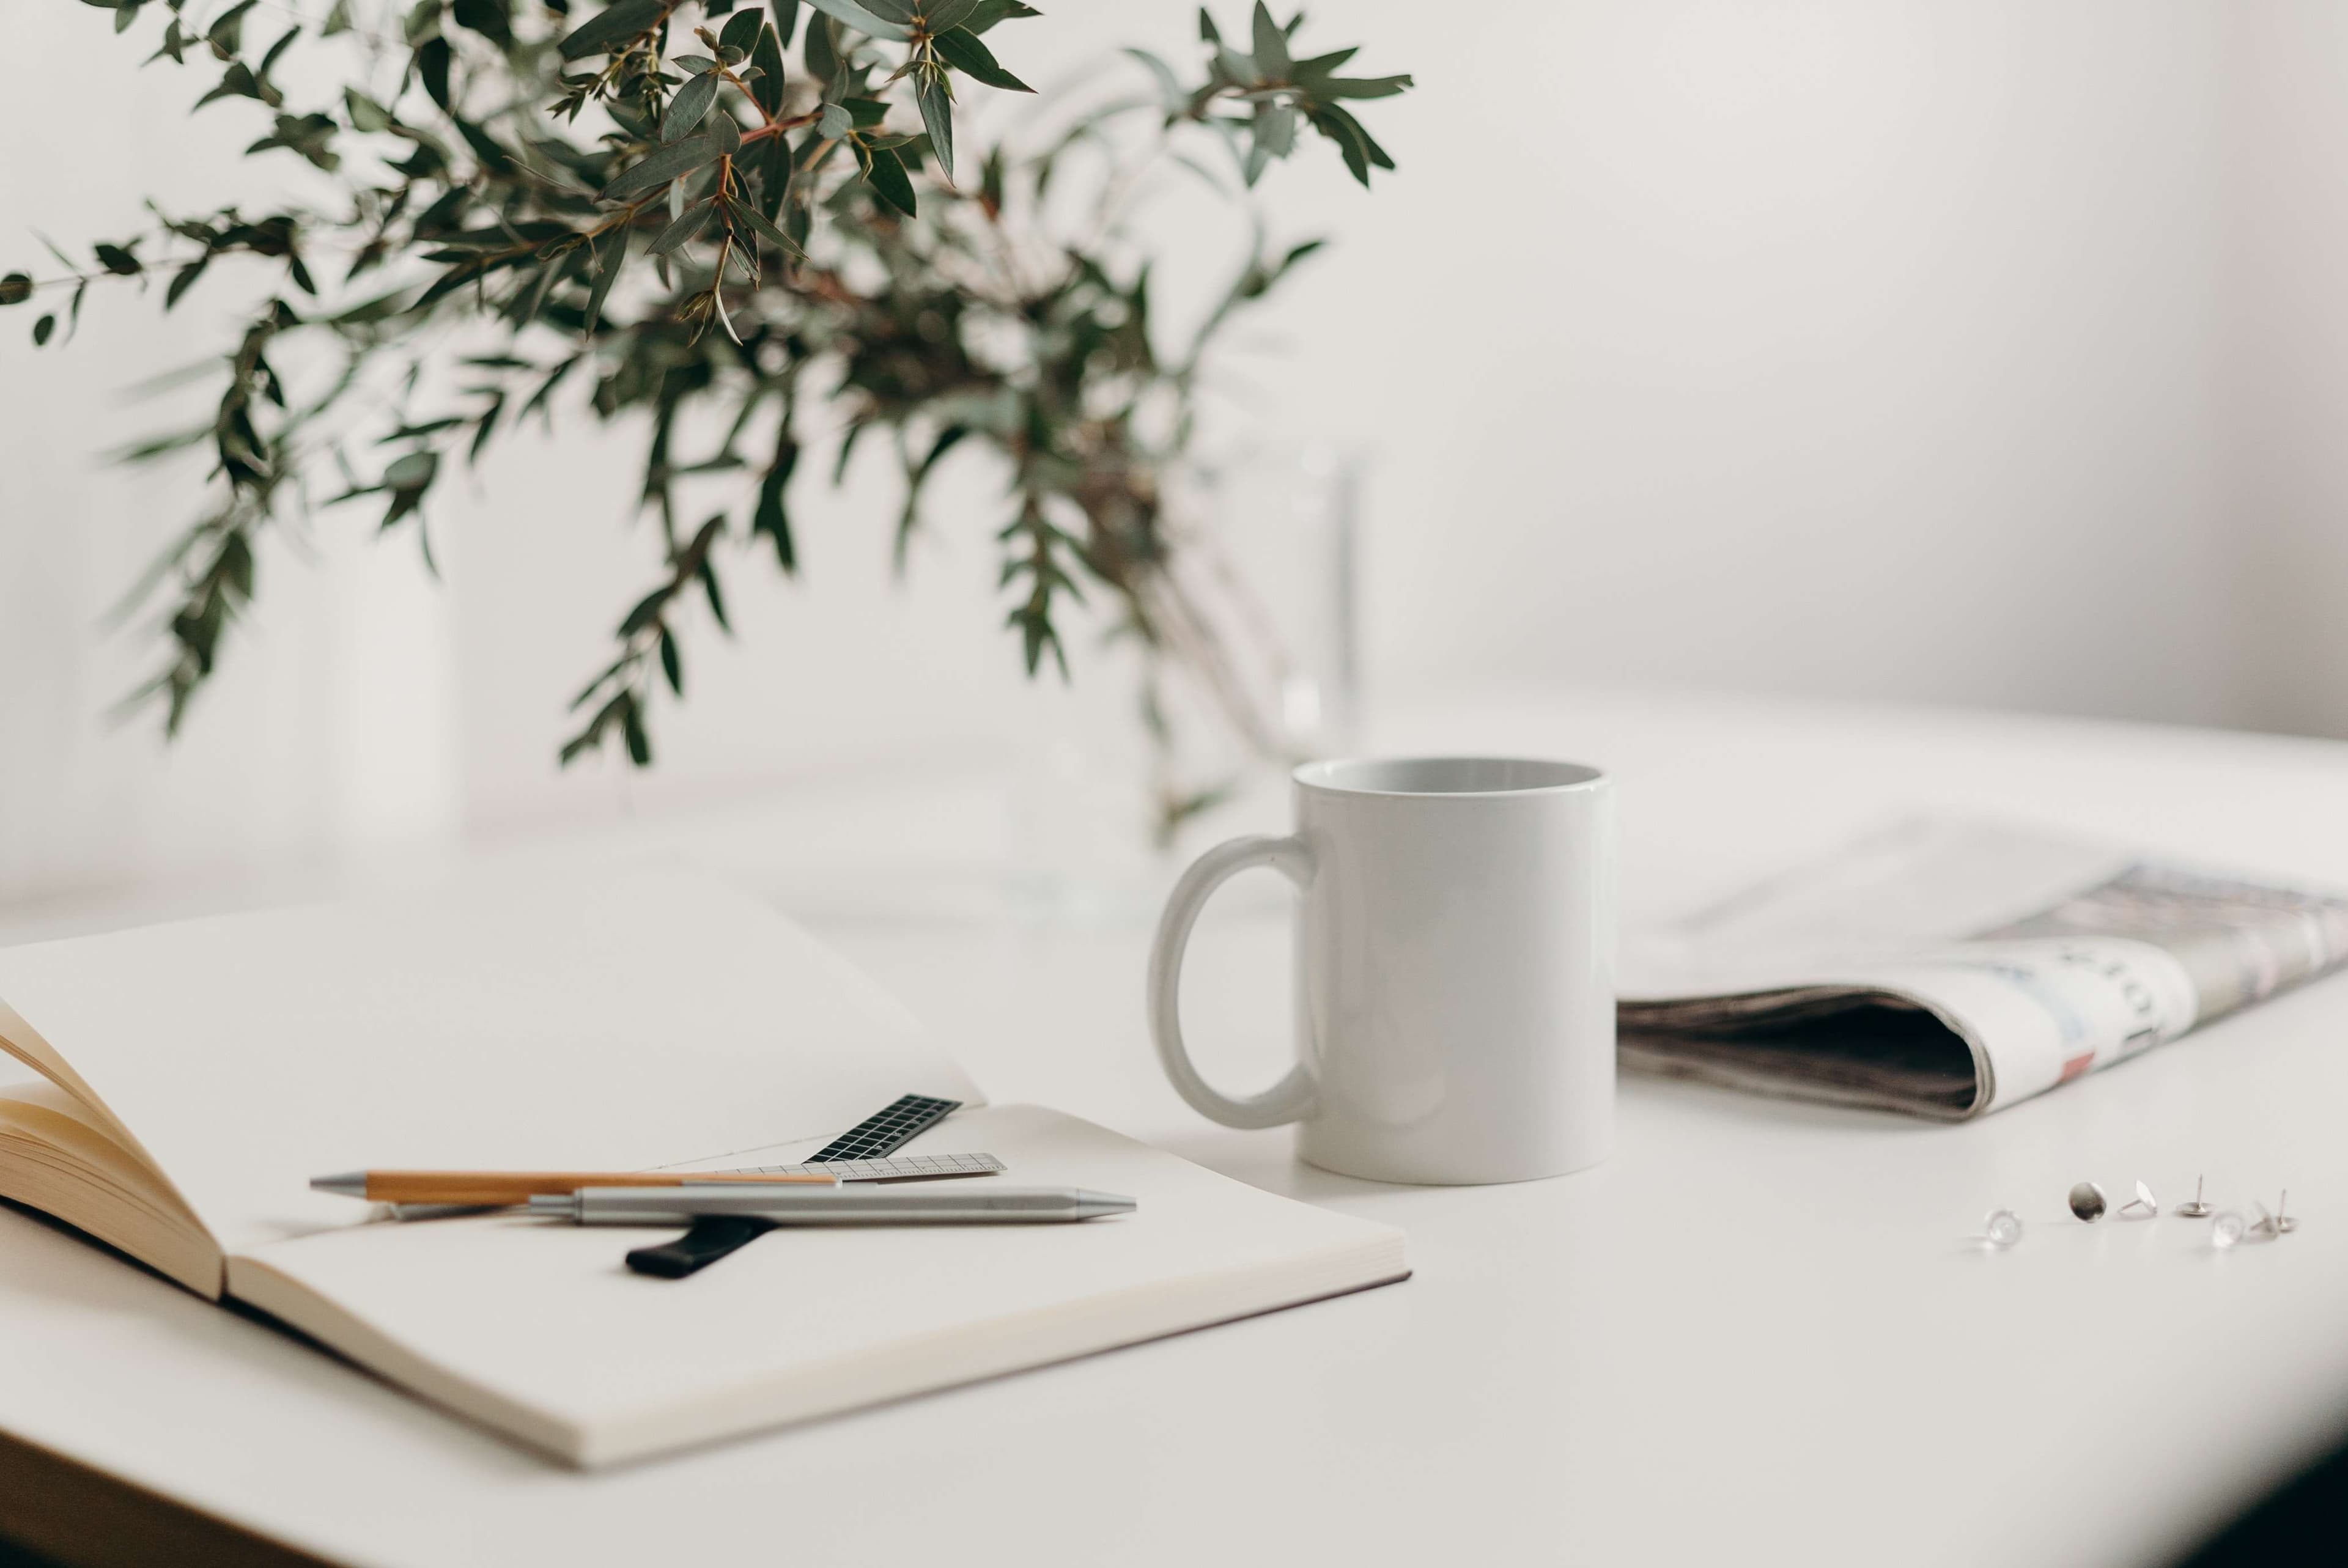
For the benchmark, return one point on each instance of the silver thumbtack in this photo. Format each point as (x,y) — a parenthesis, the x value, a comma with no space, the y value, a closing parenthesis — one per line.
(2087,1202)
(2195,1209)
(2143,1200)
(2279,1222)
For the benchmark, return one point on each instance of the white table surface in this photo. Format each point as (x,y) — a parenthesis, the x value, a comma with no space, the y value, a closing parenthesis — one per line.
(1757,1335)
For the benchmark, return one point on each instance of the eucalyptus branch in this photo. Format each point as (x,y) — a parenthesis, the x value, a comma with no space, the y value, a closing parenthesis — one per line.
(677,208)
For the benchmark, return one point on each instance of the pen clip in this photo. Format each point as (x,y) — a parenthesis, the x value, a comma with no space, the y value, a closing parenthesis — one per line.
(713,1237)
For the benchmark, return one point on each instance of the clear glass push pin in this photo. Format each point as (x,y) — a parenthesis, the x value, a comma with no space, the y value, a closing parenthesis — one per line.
(2002,1229)
(2280,1223)
(2226,1230)
(2143,1201)
(2193,1209)
(2087,1202)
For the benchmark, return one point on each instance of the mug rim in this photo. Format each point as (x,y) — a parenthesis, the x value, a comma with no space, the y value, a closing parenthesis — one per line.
(1324,774)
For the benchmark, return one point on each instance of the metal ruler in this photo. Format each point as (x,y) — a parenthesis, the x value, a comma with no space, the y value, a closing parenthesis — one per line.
(868,1144)
(887,1130)
(903,1168)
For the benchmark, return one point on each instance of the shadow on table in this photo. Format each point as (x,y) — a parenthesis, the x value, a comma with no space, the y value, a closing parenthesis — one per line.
(2303,1521)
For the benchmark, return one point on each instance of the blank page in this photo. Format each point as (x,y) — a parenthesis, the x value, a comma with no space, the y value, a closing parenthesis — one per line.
(536,1326)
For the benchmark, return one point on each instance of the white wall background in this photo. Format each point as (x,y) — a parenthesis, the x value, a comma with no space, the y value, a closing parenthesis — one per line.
(1983,352)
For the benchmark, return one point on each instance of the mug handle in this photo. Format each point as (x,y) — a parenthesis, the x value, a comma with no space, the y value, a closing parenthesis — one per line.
(1291,1098)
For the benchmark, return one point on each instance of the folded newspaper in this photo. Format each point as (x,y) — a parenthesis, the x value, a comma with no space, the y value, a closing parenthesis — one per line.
(1948,967)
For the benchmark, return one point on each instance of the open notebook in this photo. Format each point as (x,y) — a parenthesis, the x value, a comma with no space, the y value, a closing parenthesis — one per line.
(183,1081)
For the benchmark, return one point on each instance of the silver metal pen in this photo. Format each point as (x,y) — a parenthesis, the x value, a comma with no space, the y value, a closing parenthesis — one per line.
(802,1205)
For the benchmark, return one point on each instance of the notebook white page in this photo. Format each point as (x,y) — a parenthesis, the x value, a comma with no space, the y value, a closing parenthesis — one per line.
(620,1020)
(535,1325)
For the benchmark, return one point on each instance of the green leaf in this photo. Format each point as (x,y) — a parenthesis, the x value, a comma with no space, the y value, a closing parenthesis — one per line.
(1295,253)
(787,17)
(771,518)
(185,279)
(936,101)
(1352,142)
(432,59)
(412,472)
(483,428)
(16,288)
(1208,32)
(1361,87)
(663,166)
(611,254)
(671,663)
(1275,128)
(822,55)
(691,103)
(709,574)
(939,16)
(862,20)
(1169,87)
(768,57)
(835,121)
(615,25)
(525,308)
(1271,44)
(364,113)
(226,36)
(759,223)
(961,49)
(486,17)
(647,611)
(1321,65)
(989,12)
(695,219)
(236,82)
(42,329)
(276,51)
(640,744)
(887,176)
(741,31)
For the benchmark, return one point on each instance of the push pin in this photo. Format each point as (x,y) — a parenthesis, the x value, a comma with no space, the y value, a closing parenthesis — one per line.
(2279,1222)
(2194,1209)
(2226,1230)
(2002,1229)
(2087,1202)
(2143,1200)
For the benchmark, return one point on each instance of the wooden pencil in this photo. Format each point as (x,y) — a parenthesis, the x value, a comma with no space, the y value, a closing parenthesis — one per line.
(520,1186)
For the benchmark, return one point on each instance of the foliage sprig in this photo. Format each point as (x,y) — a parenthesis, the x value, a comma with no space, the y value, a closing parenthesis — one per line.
(527,197)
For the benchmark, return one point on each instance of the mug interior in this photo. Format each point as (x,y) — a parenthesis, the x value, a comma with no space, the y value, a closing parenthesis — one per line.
(1443,775)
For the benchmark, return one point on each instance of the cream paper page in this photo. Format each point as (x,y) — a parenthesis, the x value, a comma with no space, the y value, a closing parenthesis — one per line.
(632,1018)
(537,1327)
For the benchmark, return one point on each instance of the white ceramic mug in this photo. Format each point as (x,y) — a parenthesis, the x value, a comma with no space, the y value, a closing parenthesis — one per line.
(1455,969)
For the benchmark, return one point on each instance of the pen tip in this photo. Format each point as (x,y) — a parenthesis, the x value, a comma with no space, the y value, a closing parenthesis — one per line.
(349,1185)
